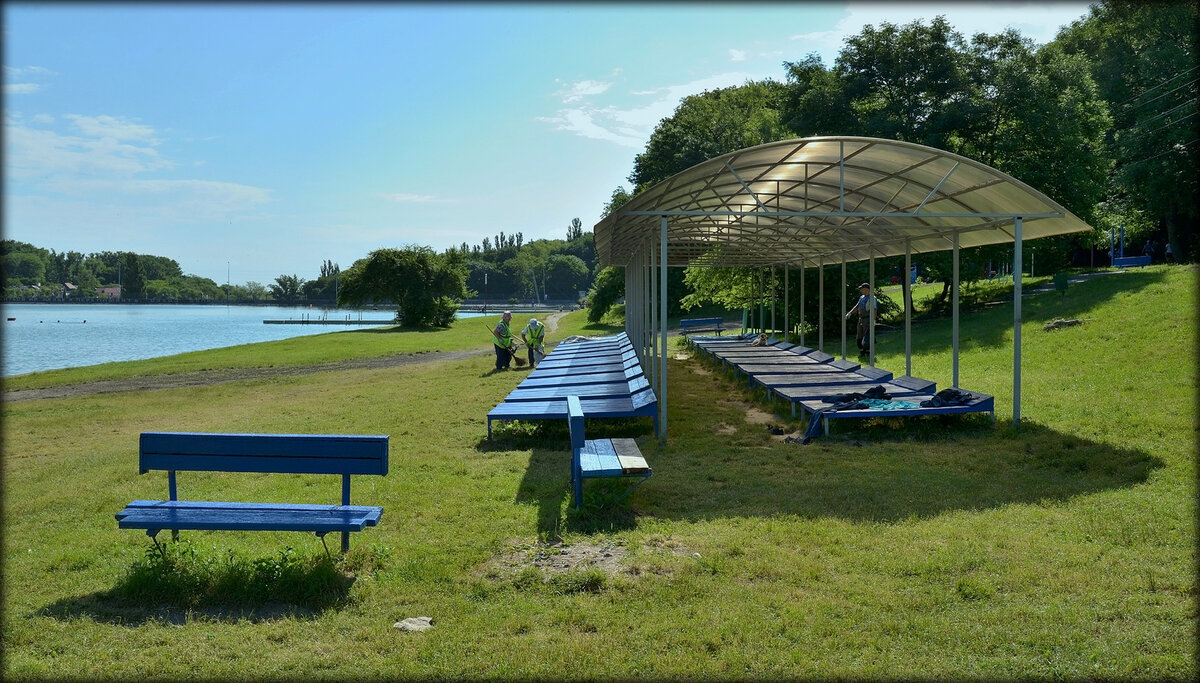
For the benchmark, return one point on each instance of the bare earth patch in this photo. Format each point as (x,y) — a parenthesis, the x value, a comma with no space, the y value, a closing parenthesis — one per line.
(557,558)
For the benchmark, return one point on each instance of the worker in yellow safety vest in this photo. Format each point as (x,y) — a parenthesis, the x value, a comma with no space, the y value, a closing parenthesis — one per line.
(534,336)
(502,339)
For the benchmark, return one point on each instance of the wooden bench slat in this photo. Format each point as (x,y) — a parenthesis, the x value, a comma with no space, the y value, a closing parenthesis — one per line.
(254,517)
(630,456)
(601,459)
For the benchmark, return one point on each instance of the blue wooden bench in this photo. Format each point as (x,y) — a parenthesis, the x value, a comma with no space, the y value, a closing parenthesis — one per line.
(641,403)
(1131,261)
(593,458)
(692,324)
(279,453)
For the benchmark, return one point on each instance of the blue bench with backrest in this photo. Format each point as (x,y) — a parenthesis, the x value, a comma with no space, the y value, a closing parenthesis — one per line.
(344,454)
(642,403)
(1131,261)
(692,324)
(594,458)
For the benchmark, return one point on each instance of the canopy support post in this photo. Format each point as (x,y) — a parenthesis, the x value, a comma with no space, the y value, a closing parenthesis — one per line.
(954,309)
(843,316)
(773,301)
(1017,321)
(906,290)
(873,307)
(652,310)
(662,315)
(821,304)
(802,301)
(787,334)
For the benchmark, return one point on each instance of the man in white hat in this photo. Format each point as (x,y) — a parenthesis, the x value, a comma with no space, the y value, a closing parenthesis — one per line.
(534,336)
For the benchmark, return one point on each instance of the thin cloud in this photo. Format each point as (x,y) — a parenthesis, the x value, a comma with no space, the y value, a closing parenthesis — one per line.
(113,127)
(38,152)
(19,71)
(630,126)
(21,88)
(737,55)
(582,89)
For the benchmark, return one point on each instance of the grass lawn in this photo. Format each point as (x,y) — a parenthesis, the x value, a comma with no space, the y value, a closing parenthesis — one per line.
(936,547)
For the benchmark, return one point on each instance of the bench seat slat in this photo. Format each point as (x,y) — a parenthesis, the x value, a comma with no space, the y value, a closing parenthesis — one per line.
(600,458)
(630,456)
(204,515)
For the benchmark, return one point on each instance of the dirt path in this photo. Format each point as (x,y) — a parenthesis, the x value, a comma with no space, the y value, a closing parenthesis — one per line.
(204,378)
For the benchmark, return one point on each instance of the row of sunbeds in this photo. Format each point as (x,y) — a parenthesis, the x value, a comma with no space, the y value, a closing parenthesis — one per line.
(798,374)
(604,373)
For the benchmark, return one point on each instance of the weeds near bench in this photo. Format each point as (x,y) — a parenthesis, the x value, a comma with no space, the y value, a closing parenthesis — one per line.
(179,575)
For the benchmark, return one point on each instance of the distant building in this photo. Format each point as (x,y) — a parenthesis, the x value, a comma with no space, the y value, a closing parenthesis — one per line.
(113,292)
(69,289)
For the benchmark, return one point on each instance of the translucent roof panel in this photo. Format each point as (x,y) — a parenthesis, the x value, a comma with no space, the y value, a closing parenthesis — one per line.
(828,199)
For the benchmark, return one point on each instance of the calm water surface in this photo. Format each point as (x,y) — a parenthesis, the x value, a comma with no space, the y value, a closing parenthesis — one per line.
(53,336)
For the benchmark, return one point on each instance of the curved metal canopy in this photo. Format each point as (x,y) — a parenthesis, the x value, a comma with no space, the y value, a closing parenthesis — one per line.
(827,198)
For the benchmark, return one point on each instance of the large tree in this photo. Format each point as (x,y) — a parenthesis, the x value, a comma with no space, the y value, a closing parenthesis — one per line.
(1033,113)
(1143,56)
(133,277)
(426,287)
(708,125)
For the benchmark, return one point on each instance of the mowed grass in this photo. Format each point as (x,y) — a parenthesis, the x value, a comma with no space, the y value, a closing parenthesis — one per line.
(930,548)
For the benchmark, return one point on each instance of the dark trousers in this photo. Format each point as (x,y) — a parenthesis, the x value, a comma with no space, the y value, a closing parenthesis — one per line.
(863,337)
(503,357)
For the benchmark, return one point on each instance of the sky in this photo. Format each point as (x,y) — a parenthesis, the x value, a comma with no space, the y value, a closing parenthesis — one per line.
(252,141)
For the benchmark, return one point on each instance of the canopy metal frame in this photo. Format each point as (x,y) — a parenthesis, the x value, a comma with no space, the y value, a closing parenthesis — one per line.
(828,200)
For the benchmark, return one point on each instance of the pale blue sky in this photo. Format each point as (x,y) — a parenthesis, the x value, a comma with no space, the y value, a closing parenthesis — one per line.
(264,139)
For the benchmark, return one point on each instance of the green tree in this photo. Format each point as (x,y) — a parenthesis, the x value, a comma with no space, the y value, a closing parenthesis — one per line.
(575,230)
(25,267)
(708,125)
(425,287)
(606,291)
(133,278)
(287,289)
(1143,57)
(565,276)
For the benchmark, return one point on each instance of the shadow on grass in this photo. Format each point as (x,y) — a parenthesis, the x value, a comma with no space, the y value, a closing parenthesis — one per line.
(871,478)
(174,583)
(717,463)
(547,479)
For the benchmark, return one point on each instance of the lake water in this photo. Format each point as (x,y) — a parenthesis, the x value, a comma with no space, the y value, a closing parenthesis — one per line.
(53,336)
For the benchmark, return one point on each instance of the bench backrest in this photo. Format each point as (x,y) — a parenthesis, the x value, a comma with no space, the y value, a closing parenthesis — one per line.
(284,453)
(697,322)
(575,425)
(643,397)
(638,383)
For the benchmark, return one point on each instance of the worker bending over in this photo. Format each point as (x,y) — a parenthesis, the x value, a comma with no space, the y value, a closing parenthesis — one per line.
(534,336)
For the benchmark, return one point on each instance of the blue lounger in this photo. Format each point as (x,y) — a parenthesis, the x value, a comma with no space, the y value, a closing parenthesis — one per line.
(564,370)
(982,403)
(640,404)
(605,390)
(587,359)
(796,395)
(531,382)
